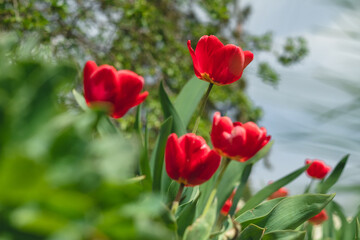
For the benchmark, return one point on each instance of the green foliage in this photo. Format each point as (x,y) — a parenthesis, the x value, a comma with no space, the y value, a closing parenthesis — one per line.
(201,228)
(286,213)
(70,172)
(334,176)
(252,232)
(59,179)
(271,188)
(109,32)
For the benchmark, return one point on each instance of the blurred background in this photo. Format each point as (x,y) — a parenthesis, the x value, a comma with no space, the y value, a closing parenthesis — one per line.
(314,111)
(303,86)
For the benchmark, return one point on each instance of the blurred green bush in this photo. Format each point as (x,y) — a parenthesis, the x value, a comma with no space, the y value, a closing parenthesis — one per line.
(57,179)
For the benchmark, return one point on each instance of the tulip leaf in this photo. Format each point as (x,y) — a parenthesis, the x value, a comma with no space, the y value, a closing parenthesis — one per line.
(239,191)
(105,126)
(205,190)
(345,232)
(291,212)
(169,110)
(260,154)
(334,176)
(80,100)
(260,211)
(157,156)
(187,215)
(230,179)
(270,189)
(328,226)
(252,232)
(137,123)
(229,224)
(188,99)
(145,163)
(201,228)
(357,229)
(285,235)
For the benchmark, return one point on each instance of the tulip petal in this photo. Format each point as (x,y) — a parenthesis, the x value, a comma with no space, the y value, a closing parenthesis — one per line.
(221,132)
(227,64)
(204,168)
(194,59)
(101,86)
(130,85)
(205,48)
(89,69)
(140,98)
(174,157)
(249,56)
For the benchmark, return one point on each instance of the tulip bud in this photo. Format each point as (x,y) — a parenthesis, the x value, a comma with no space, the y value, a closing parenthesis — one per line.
(318,169)
(189,160)
(282,192)
(216,63)
(120,90)
(319,218)
(227,205)
(236,140)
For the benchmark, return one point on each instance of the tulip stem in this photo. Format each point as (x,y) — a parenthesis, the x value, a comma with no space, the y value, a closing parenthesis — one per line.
(202,106)
(218,180)
(307,189)
(175,203)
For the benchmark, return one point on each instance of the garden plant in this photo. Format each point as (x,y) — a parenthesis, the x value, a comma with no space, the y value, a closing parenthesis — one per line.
(67,170)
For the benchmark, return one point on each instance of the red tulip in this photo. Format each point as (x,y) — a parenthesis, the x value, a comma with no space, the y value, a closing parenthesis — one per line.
(236,140)
(319,218)
(227,205)
(119,89)
(282,192)
(189,160)
(216,63)
(317,168)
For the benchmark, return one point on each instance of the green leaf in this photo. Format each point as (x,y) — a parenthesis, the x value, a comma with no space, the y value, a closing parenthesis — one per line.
(187,215)
(145,163)
(137,123)
(334,176)
(230,179)
(105,126)
(284,235)
(201,228)
(80,100)
(239,191)
(357,229)
(260,154)
(345,232)
(169,110)
(205,190)
(252,232)
(188,99)
(271,188)
(157,157)
(291,212)
(260,211)
(328,228)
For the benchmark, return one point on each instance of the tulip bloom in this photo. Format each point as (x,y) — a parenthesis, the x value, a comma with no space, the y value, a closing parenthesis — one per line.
(227,205)
(218,64)
(189,160)
(318,169)
(282,192)
(104,85)
(236,140)
(319,218)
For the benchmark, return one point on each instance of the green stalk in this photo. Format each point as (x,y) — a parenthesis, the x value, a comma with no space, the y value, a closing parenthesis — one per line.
(176,201)
(202,107)
(218,180)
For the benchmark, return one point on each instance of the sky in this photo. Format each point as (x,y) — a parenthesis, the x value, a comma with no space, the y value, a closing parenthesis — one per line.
(294,110)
